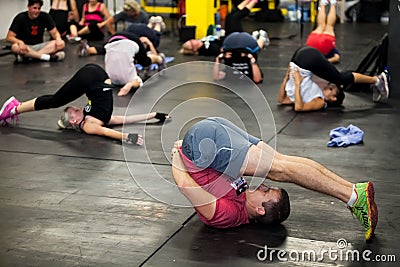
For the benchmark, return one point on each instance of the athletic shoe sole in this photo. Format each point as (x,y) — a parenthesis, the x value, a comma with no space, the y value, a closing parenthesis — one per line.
(372,211)
(385,80)
(11,99)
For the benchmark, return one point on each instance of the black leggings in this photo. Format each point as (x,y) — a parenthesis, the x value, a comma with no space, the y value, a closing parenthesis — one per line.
(60,17)
(96,34)
(311,59)
(84,78)
(233,22)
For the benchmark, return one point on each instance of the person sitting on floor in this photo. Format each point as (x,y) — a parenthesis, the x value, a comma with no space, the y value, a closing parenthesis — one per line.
(90,27)
(26,35)
(132,13)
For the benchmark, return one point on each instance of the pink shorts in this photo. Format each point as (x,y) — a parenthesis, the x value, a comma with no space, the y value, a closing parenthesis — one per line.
(322,42)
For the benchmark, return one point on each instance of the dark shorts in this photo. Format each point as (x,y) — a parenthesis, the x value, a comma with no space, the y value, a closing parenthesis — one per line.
(240,40)
(218,144)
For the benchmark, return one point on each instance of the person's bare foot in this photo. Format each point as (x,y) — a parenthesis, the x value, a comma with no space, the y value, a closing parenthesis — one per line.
(128,87)
(124,90)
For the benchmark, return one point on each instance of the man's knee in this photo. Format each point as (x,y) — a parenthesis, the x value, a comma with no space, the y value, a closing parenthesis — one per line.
(319,30)
(279,168)
(258,161)
(329,31)
(16,49)
(53,46)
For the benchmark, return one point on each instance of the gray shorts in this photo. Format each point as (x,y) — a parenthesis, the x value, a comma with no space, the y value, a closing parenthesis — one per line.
(37,47)
(218,144)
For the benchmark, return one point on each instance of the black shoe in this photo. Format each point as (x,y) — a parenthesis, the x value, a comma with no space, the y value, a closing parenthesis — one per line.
(59,56)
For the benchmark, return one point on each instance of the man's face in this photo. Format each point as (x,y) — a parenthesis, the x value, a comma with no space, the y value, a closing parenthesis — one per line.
(34,11)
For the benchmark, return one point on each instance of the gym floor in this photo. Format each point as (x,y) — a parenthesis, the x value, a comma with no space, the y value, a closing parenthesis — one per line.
(69,199)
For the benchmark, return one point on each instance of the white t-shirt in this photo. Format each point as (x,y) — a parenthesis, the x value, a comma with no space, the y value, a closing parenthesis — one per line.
(119,61)
(309,89)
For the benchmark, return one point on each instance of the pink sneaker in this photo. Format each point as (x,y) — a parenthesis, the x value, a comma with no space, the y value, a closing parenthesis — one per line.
(8,111)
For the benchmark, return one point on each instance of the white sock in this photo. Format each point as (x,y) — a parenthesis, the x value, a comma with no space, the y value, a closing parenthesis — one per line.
(353,197)
(255,34)
(263,39)
(45,57)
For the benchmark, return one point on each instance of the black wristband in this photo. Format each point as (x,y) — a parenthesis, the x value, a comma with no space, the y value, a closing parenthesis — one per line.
(132,138)
(160,116)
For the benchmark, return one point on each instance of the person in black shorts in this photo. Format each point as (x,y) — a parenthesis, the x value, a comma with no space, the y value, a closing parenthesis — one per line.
(94,118)
(63,12)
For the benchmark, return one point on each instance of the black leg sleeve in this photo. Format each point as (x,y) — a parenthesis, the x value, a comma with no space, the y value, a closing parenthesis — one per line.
(85,77)
(233,22)
(311,59)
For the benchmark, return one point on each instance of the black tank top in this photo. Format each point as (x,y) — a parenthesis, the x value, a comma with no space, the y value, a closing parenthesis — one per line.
(100,103)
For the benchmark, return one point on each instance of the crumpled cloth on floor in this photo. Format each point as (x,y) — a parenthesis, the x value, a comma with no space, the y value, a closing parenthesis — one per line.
(343,136)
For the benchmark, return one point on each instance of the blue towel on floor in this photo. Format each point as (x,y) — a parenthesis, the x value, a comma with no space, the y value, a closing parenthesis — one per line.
(343,136)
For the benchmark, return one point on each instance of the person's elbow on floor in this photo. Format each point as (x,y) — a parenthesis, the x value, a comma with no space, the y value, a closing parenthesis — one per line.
(335,59)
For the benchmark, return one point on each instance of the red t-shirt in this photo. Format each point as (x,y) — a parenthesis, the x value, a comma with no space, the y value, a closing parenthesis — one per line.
(230,210)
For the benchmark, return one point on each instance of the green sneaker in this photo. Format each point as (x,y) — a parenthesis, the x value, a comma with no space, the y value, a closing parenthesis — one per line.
(365,208)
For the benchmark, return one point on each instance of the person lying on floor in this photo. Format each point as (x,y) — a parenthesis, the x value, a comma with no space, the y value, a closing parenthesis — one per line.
(122,51)
(94,118)
(208,166)
(211,45)
(323,36)
(240,52)
(307,66)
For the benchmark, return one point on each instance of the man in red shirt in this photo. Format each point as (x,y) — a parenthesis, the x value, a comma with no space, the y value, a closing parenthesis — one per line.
(208,165)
